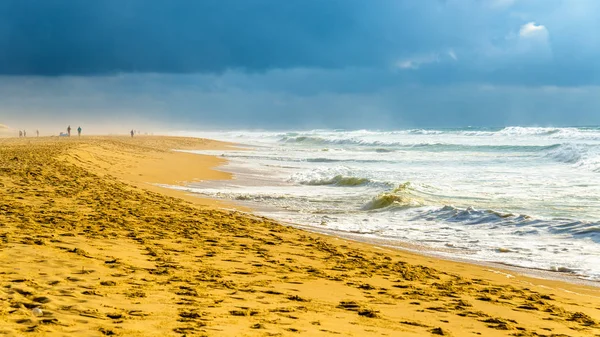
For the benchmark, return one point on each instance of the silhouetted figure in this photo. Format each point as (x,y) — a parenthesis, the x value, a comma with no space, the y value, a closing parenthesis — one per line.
(132,133)
(37,133)
(69,130)
(24,133)
(79,131)
(20,133)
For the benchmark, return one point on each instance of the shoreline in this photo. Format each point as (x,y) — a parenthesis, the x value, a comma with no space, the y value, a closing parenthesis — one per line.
(423,250)
(530,273)
(100,251)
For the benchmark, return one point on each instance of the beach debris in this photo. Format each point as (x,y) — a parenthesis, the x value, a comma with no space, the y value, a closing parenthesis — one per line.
(37,311)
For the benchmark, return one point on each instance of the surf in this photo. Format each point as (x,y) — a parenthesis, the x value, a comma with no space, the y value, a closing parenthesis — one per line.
(525,196)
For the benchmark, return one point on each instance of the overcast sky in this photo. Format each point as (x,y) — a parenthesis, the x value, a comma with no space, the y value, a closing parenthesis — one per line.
(300,63)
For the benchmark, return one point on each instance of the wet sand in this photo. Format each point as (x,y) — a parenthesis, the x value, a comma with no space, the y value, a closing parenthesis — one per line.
(88,238)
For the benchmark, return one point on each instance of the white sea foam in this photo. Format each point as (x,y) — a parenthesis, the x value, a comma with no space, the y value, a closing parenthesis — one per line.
(583,156)
(518,195)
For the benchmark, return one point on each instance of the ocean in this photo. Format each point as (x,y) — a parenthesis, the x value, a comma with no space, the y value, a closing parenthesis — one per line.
(522,196)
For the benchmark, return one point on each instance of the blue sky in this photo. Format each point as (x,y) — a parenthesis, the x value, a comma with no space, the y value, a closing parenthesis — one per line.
(301,63)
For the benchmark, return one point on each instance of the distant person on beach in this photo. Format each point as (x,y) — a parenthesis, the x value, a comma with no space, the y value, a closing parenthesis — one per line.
(37,133)
(79,131)
(69,130)
(132,133)
(24,133)
(20,133)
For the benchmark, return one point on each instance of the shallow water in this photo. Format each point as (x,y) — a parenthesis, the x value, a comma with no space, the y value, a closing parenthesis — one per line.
(528,197)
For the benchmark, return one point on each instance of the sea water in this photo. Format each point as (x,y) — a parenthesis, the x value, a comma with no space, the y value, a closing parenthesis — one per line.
(523,196)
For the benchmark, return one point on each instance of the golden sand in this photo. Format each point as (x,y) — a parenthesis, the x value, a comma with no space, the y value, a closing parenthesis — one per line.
(90,247)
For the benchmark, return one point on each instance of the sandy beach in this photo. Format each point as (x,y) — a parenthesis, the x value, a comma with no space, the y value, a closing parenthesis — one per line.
(90,245)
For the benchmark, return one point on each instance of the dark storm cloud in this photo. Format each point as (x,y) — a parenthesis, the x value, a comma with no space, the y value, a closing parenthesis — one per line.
(447,41)
(94,37)
(57,37)
(301,63)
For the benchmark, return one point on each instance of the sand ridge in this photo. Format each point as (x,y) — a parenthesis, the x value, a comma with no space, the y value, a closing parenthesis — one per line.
(101,253)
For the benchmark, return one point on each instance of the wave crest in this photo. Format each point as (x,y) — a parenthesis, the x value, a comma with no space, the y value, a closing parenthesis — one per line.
(339,180)
(531,131)
(567,153)
(399,197)
(580,156)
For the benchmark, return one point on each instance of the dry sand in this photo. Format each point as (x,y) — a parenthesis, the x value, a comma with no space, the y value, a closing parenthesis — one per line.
(99,250)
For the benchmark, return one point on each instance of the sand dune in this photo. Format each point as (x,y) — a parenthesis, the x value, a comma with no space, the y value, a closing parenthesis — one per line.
(89,247)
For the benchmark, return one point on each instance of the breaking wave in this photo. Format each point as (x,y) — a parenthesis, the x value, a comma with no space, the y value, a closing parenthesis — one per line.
(554,133)
(400,197)
(358,137)
(579,155)
(384,146)
(339,180)
(567,153)
(470,188)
